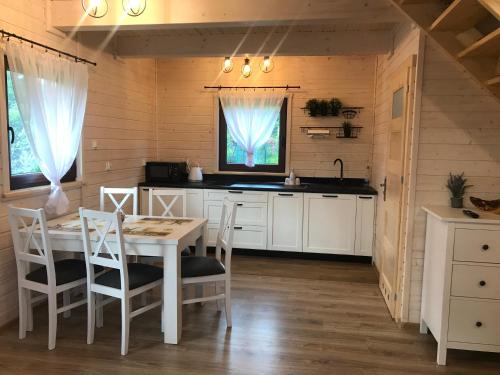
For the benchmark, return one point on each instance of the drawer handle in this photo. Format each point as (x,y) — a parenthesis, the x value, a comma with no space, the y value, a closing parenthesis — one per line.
(238,228)
(285,194)
(239,204)
(330,196)
(235,191)
(482,283)
(479,324)
(365,197)
(485,247)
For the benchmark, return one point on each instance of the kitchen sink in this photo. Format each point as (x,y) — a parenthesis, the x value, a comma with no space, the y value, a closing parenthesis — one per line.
(268,185)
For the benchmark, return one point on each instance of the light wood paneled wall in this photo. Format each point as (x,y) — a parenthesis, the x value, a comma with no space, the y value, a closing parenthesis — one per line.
(186,121)
(119,116)
(459,132)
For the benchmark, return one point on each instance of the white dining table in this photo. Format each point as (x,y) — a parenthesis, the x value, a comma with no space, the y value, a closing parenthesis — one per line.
(147,236)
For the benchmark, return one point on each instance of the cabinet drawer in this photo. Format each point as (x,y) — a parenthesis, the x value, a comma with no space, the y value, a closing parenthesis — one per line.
(474,321)
(477,245)
(249,213)
(475,281)
(245,236)
(236,195)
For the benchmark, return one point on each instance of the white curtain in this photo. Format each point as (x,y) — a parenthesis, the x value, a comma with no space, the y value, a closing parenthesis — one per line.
(251,118)
(51,93)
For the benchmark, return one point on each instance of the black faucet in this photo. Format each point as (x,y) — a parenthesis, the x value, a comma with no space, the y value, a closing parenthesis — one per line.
(341,167)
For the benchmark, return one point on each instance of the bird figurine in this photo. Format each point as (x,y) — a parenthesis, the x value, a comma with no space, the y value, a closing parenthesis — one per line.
(484,205)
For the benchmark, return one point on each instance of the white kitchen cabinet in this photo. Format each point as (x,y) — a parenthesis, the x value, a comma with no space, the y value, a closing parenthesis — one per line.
(329,223)
(245,236)
(365,219)
(194,203)
(285,213)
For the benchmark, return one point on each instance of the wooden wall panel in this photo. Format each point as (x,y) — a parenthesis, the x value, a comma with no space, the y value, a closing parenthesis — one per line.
(459,132)
(187,130)
(119,116)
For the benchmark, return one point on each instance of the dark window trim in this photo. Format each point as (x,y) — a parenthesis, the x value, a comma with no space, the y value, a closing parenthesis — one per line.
(29,180)
(279,168)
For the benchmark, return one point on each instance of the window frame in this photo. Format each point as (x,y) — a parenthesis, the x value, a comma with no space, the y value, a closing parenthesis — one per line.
(27,180)
(280,168)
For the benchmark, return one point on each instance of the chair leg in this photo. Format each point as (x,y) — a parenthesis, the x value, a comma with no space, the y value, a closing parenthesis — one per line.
(90,317)
(162,307)
(52,320)
(144,298)
(66,302)
(217,291)
(99,311)
(227,292)
(125,324)
(22,312)
(29,311)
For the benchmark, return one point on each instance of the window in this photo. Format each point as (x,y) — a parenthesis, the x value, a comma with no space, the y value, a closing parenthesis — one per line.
(23,167)
(270,157)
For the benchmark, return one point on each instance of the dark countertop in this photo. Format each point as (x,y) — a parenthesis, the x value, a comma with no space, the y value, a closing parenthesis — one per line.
(273,183)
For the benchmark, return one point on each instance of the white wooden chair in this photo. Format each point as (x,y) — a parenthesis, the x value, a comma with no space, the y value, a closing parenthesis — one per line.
(124,280)
(200,270)
(126,193)
(50,279)
(167,207)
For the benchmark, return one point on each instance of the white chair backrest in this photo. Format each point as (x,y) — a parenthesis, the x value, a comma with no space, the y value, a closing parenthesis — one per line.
(167,206)
(104,227)
(23,244)
(125,192)
(226,233)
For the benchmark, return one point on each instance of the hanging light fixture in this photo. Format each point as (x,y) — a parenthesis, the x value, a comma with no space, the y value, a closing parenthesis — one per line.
(246,69)
(227,65)
(266,65)
(134,8)
(95,8)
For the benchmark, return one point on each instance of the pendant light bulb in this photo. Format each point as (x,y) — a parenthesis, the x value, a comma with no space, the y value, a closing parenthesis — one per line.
(95,8)
(227,66)
(246,69)
(134,8)
(266,65)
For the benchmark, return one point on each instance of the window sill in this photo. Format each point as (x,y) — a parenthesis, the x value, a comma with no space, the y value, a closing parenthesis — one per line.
(36,191)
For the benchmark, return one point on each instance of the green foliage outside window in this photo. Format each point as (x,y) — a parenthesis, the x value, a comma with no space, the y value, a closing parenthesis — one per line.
(22,160)
(268,154)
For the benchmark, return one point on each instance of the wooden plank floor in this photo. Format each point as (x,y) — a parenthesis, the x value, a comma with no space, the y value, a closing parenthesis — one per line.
(291,316)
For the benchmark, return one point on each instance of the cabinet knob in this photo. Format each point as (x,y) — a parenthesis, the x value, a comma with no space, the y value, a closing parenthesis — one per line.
(485,247)
(479,324)
(482,283)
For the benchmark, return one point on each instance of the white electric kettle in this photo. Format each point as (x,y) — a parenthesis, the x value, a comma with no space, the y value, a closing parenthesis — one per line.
(195,173)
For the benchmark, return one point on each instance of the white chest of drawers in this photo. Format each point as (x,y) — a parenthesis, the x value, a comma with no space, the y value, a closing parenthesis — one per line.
(461,283)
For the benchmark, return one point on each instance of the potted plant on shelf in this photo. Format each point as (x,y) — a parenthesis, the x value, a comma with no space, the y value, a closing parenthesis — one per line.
(457,185)
(312,106)
(347,129)
(335,106)
(324,108)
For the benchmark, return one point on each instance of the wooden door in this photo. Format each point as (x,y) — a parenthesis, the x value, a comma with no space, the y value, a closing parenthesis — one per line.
(401,86)
(285,214)
(329,223)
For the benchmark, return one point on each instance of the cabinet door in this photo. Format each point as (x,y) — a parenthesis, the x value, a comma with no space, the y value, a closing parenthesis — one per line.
(365,216)
(285,212)
(329,223)
(245,236)
(194,203)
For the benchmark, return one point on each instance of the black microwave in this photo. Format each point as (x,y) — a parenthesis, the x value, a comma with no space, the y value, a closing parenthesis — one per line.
(164,171)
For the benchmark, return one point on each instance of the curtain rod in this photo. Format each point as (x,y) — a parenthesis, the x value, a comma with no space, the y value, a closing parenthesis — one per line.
(252,87)
(32,42)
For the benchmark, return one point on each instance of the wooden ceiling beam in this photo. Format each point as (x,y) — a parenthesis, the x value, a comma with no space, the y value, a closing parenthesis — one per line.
(290,44)
(68,15)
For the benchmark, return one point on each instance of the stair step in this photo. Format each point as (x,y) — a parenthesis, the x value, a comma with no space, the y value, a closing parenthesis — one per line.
(488,46)
(460,15)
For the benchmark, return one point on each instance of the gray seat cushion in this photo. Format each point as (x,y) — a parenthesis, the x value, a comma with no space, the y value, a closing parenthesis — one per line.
(139,274)
(67,270)
(201,266)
